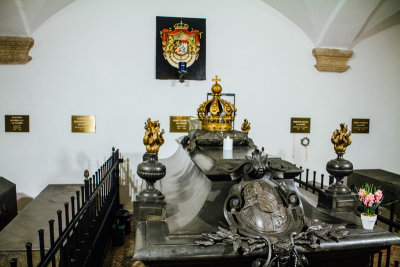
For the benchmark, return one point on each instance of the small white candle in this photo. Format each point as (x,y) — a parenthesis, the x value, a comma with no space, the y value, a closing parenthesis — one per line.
(227,154)
(228,144)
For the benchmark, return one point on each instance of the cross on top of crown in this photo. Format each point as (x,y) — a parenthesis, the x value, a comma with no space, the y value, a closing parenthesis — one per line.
(216,80)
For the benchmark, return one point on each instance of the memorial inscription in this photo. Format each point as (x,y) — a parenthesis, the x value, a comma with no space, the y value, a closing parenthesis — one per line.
(83,123)
(360,125)
(17,123)
(179,124)
(300,125)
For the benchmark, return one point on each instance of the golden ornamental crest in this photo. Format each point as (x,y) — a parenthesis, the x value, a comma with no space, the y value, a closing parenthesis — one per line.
(180,44)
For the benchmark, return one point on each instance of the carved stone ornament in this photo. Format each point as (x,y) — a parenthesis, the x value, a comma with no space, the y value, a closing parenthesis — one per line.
(331,60)
(14,50)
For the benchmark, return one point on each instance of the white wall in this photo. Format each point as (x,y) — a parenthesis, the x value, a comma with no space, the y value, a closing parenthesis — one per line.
(97,57)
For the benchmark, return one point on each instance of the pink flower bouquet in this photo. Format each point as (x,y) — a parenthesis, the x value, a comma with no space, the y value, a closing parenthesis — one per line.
(370,198)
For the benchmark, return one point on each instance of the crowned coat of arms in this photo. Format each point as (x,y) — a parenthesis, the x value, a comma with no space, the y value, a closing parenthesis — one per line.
(180,44)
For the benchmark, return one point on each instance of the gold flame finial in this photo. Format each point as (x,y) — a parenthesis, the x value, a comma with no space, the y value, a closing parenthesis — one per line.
(152,139)
(246,126)
(341,139)
(216,114)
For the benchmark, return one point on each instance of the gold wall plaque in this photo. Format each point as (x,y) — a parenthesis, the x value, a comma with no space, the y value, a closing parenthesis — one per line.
(300,125)
(17,123)
(179,124)
(83,123)
(360,125)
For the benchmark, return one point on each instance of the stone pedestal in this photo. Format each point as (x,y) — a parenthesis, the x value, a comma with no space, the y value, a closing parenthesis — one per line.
(149,211)
(338,197)
(336,203)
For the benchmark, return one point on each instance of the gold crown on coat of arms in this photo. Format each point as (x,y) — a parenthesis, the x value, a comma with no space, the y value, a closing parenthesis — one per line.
(216,114)
(181,26)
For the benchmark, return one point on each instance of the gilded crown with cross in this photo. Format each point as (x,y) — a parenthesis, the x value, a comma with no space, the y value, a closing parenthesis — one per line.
(216,114)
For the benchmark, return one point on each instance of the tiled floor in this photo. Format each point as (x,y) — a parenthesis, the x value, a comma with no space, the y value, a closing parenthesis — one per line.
(122,256)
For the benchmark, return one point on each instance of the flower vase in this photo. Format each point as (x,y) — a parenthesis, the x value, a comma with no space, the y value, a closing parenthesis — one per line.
(368,221)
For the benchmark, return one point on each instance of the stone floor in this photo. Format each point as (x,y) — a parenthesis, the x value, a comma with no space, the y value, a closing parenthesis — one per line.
(122,255)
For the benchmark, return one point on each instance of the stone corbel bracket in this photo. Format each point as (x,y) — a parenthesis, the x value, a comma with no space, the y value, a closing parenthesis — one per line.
(14,50)
(331,60)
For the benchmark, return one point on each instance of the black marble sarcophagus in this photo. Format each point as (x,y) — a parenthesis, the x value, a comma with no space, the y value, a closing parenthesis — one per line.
(239,207)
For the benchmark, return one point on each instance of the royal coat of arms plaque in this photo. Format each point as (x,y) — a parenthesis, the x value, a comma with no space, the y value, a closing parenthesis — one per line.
(181,48)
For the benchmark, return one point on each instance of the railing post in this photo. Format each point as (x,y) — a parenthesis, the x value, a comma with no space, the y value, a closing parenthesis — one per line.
(93,183)
(313,183)
(380,259)
(83,194)
(72,207)
(41,244)
(51,229)
(90,186)
(322,181)
(29,254)
(59,212)
(78,206)
(388,257)
(66,214)
(116,179)
(301,168)
(86,174)
(307,171)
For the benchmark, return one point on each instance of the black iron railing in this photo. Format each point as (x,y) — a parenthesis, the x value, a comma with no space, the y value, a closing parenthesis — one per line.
(313,185)
(318,186)
(86,234)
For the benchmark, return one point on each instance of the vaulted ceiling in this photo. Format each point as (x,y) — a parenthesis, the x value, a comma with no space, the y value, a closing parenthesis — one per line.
(328,23)
(339,23)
